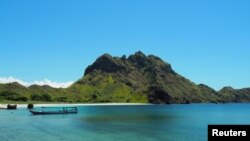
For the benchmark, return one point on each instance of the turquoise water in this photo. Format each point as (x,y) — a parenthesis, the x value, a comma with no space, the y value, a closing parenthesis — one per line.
(122,123)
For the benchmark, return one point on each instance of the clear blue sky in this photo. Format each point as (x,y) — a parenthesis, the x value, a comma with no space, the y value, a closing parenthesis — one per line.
(205,41)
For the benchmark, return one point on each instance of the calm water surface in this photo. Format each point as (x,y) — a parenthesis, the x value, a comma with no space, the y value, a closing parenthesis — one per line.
(122,123)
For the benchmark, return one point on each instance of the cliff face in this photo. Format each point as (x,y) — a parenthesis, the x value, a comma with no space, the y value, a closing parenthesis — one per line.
(136,78)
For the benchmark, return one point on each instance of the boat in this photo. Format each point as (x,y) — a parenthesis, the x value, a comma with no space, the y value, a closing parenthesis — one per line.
(55,110)
(11,106)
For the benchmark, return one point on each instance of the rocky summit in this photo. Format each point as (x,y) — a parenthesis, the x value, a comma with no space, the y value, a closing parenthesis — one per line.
(137,79)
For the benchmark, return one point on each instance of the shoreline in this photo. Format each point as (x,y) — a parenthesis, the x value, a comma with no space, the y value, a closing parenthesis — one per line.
(3,106)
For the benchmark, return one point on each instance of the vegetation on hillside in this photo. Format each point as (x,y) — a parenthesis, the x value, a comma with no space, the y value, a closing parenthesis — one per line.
(134,79)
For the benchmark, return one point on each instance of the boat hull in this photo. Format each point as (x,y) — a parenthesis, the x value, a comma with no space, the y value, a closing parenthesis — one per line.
(54,110)
(51,112)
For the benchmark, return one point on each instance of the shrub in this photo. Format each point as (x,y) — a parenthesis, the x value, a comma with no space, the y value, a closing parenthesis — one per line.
(46,97)
(30,106)
(22,98)
(94,96)
(43,97)
(12,96)
(35,97)
(61,99)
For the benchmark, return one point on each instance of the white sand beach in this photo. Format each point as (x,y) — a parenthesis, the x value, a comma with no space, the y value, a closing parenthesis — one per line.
(73,104)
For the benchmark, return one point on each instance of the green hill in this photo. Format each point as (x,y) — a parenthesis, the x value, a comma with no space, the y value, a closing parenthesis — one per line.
(137,79)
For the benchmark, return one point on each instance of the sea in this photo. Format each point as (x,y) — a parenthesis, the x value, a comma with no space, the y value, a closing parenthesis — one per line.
(175,122)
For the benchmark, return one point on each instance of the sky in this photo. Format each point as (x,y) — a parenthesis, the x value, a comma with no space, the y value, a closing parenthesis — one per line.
(53,41)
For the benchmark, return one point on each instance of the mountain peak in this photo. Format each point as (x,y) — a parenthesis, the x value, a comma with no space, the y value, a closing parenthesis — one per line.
(105,55)
(109,64)
(139,53)
(106,63)
(15,84)
(227,89)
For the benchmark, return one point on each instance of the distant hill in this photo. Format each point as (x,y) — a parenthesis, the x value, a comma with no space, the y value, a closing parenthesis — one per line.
(137,78)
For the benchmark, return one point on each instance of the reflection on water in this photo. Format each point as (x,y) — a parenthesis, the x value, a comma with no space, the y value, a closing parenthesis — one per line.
(123,123)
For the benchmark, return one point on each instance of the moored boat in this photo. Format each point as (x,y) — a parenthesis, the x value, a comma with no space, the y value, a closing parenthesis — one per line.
(55,110)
